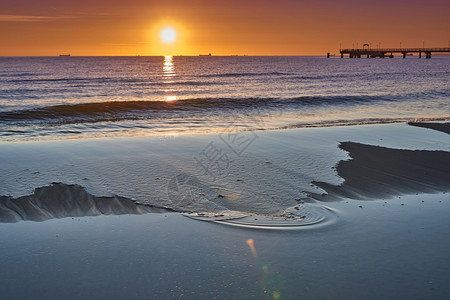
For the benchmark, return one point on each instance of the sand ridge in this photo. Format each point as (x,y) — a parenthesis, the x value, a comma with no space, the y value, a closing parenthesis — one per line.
(62,200)
(376,172)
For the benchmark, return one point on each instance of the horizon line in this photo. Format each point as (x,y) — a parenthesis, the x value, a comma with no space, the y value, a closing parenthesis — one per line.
(198,55)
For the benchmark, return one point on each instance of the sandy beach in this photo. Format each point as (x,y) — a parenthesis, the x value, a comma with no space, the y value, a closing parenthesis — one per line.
(341,212)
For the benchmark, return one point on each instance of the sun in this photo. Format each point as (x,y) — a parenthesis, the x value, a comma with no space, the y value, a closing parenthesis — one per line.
(168,35)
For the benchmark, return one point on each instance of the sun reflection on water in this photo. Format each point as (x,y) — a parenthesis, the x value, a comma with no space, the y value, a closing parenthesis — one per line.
(168,76)
(171,98)
(168,67)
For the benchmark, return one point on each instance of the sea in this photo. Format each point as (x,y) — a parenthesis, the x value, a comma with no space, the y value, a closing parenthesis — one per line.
(84,139)
(52,98)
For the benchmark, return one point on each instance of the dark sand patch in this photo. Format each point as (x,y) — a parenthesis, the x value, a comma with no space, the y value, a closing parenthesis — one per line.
(61,200)
(380,173)
(443,127)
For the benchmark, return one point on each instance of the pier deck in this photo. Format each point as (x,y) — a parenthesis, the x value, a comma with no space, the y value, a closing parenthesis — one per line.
(389,52)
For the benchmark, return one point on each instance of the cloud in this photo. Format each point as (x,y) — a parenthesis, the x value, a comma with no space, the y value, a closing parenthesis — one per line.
(22,18)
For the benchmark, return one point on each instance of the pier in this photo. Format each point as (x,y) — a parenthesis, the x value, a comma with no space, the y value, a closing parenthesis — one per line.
(389,52)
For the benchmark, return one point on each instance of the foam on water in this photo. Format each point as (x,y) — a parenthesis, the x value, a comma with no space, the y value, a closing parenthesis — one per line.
(301,216)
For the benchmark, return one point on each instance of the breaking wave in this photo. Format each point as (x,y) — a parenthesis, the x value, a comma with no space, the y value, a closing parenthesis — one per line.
(121,110)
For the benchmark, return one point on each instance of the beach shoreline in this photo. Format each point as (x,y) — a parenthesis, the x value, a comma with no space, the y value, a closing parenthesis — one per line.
(363,169)
(101,234)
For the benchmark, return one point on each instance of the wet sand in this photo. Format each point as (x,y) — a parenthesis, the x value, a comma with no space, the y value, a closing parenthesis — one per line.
(444,127)
(96,242)
(63,201)
(377,251)
(381,173)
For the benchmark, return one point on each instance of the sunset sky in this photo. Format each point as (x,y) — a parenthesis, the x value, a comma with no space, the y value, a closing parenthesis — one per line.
(254,27)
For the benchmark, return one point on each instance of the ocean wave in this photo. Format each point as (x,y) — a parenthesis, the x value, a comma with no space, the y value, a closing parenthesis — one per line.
(360,76)
(139,108)
(106,80)
(69,79)
(10,74)
(263,74)
(39,78)
(120,110)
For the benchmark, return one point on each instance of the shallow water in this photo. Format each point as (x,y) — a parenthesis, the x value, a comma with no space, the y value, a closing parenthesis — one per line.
(372,252)
(273,173)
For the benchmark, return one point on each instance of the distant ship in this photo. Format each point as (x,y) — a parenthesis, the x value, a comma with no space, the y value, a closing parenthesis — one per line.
(64,55)
(205,54)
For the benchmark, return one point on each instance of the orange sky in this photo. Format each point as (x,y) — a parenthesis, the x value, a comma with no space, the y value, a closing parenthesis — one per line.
(255,27)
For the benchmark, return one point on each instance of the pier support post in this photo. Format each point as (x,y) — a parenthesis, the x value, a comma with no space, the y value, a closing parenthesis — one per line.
(328,55)
(404,54)
(342,55)
(420,54)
